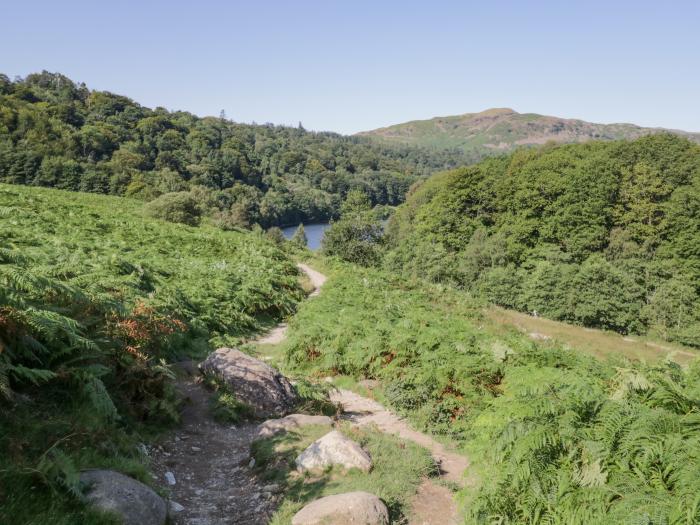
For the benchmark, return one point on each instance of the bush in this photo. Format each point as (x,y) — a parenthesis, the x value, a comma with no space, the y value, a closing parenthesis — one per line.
(357,239)
(179,207)
(299,238)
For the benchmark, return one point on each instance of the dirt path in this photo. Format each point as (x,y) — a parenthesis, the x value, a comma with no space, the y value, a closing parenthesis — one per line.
(279,332)
(364,411)
(209,461)
(317,278)
(215,484)
(433,503)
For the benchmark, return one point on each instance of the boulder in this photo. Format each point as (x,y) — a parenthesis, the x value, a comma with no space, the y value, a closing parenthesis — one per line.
(134,502)
(253,382)
(334,449)
(351,508)
(275,426)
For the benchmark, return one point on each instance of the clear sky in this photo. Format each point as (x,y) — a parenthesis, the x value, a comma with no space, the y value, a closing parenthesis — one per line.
(354,65)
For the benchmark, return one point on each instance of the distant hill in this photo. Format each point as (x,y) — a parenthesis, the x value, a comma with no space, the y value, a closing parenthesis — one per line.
(501,130)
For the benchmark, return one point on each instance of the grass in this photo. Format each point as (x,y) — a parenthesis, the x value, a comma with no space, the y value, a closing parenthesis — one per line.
(598,343)
(398,469)
(52,427)
(149,291)
(554,434)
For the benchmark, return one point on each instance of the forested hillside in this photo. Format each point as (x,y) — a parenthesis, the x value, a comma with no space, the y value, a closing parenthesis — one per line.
(95,300)
(601,234)
(501,130)
(57,133)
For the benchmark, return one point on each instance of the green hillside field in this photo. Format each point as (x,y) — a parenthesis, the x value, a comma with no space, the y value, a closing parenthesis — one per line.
(96,299)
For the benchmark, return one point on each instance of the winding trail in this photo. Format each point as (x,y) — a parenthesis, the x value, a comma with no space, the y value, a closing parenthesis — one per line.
(434,503)
(210,462)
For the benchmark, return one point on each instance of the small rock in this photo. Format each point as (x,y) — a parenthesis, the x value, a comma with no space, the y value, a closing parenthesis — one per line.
(134,502)
(177,438)
(176,507)
(170,478)
(143,449)
(273,488)
(334,449)
(251,463)
(195,449)
(344,509)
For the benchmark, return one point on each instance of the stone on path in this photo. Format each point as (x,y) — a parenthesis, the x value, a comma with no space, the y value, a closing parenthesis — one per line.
(351,508)
(134,502)
(275,426)
(334,449)
(252,382)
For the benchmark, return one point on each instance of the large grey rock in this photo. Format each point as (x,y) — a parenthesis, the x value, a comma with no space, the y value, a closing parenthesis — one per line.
(253,382)
(275,426)
(134,502)
(351,508)
(334,449)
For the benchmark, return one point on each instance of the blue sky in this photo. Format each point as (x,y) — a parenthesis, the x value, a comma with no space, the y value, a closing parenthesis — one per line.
(356,65)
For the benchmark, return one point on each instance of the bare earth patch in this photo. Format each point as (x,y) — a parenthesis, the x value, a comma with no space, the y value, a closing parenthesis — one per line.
(209,461)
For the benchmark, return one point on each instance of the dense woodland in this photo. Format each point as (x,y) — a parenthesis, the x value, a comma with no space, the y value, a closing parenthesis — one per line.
(57,133)
(601,234)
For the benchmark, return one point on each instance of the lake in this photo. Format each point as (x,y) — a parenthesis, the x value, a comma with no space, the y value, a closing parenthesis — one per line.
(314,233)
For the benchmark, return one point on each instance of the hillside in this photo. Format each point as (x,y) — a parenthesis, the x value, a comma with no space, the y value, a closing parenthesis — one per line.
(501,130)
(552,434)
(603,234)
(95,300)
(57,133)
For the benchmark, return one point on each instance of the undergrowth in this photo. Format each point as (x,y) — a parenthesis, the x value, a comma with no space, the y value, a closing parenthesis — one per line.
(554,436)
(398,469)
(95,301)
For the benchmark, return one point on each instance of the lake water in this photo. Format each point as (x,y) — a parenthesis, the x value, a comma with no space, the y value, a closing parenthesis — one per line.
(314,233)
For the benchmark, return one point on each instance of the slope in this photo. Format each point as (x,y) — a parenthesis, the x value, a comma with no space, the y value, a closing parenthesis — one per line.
(501,130)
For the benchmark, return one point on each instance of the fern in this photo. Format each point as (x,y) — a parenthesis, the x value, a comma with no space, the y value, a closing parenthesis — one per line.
(58,469)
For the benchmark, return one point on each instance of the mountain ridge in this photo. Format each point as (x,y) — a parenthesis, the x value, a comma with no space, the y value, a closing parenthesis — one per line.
(500,130)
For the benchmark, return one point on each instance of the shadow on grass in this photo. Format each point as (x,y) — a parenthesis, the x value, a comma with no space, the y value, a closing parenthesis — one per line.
(398,469)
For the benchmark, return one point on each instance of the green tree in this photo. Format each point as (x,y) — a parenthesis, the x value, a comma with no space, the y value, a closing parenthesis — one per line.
(299,238)
(175,207)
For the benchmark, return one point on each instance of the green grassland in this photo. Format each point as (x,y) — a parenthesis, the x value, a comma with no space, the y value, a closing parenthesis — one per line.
(96,299)
(554,435)
(501,130)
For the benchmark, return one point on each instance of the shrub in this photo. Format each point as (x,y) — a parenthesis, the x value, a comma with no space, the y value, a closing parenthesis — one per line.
(299,238)
(179,207)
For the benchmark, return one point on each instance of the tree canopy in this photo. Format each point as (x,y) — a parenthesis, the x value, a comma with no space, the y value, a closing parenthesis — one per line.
(57,133)
(602,234)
